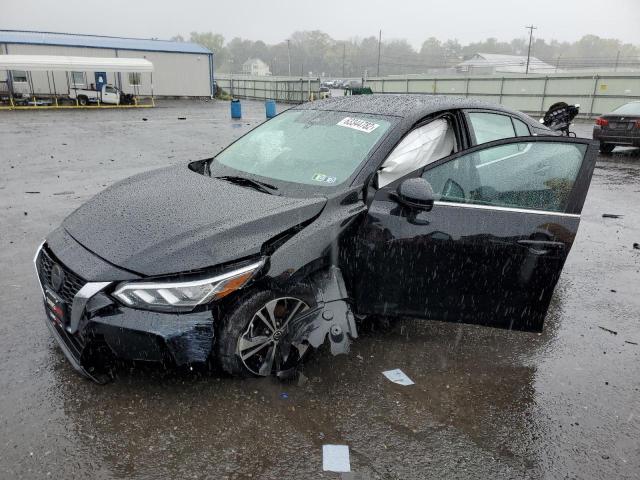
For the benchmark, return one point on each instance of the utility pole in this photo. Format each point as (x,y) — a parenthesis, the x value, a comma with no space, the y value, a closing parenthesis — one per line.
(531,28)
(344,50)
(615,69)
(289,54)
(379,47)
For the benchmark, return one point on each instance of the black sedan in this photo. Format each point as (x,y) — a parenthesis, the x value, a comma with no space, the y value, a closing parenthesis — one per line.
(618,128)
(343,209)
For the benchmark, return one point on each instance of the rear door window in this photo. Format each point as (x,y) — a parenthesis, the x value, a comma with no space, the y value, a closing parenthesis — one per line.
(488,127)
(521,128)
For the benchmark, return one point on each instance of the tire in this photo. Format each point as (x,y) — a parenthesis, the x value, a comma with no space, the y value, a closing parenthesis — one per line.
(606,147)
(242,325)
(82,100)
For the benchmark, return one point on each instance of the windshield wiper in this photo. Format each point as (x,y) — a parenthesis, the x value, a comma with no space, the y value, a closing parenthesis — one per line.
(248,182)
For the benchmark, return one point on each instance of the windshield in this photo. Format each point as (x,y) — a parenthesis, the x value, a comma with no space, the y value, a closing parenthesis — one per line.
(313,147)
(632,108)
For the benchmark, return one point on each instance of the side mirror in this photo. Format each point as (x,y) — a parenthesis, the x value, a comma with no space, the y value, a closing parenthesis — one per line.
(416,193)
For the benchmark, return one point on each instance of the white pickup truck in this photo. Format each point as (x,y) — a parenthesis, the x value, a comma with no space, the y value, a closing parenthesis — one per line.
(108,94)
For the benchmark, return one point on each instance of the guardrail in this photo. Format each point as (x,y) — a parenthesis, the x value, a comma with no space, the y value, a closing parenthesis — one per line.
(281,89)
(596,94)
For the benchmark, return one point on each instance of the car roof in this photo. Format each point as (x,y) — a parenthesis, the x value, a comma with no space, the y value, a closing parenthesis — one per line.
(407,106)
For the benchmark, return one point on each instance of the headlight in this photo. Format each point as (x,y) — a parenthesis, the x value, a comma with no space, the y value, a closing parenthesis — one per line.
(184,295)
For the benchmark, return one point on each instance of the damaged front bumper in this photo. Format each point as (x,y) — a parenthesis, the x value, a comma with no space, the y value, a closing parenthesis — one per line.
(94,330)
(111,332)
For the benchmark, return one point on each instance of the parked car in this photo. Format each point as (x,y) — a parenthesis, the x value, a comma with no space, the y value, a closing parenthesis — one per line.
(358,91)
(618,128)
(352,84)
(107,94)
(410,205)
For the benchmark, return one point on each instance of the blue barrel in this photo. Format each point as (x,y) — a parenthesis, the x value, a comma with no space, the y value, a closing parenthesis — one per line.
(236,109)
(270,107)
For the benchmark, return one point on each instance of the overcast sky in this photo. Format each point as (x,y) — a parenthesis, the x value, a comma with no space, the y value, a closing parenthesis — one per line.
(272,21)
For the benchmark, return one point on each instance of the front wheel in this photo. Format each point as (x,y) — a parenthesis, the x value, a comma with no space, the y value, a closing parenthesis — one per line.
(82,100)
(253,338)
(607,147)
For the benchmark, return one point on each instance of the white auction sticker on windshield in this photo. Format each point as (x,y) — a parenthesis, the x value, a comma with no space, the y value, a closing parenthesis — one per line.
(358,124)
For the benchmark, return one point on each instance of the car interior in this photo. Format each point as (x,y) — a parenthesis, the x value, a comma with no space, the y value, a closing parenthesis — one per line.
(422,146)
(530,175)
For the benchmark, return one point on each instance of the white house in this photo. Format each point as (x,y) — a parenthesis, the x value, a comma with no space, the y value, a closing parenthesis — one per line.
(489,63)
(255,66)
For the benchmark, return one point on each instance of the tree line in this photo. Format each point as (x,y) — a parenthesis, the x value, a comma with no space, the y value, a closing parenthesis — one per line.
(317,52)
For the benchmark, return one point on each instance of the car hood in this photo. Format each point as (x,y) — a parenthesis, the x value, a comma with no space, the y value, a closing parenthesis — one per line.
(175,220)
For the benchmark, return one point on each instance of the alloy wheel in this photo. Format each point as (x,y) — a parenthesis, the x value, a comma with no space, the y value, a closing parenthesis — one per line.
(262,347)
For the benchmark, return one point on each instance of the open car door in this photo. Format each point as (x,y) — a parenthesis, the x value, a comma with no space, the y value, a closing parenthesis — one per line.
(492,246)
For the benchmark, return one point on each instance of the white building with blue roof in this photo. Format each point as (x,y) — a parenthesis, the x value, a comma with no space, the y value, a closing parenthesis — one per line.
(181,69)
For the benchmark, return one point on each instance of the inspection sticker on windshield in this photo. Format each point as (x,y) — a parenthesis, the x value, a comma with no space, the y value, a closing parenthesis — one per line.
(358,124)
(321,177)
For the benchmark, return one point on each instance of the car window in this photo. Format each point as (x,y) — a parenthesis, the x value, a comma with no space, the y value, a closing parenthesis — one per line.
(632,108)
(522,130)
(490,126)
(109,89)
(420,147)
(534,175)
(313,147)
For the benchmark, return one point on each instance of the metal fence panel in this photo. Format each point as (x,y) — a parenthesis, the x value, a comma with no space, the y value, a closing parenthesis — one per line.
(451,87)
(420,86)
(392,86)
(479,87)
(568,87)
(596,94)
(281,89)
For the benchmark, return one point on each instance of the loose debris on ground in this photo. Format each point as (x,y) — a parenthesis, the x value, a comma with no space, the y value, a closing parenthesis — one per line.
(613,332)
(398,376)
(335,458)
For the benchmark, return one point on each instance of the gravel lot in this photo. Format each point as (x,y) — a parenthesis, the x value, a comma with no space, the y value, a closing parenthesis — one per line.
(487,403)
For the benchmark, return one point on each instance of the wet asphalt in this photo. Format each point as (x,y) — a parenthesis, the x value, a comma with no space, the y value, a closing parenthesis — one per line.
(486,403)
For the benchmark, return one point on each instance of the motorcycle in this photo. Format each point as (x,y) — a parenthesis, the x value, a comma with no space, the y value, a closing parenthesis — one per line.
(559,118)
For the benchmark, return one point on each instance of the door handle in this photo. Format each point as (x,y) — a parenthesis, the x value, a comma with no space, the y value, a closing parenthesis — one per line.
(541,247)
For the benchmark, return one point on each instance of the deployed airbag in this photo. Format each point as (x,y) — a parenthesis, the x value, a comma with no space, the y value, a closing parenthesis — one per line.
(420,147)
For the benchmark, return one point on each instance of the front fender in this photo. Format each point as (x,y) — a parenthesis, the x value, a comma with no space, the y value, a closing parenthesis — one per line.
(317,244)
(332,317)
